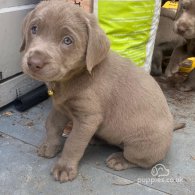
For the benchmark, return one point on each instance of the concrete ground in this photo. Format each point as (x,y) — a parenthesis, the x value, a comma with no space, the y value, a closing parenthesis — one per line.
(22,172)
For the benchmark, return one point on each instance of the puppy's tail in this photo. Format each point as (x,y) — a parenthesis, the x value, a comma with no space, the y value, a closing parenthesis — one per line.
(179,126)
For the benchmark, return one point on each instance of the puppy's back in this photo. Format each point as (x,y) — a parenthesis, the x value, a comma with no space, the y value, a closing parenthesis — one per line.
(123,82)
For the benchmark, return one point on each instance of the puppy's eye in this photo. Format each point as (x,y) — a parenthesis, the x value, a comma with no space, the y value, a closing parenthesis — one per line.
(67,40)
(34,30)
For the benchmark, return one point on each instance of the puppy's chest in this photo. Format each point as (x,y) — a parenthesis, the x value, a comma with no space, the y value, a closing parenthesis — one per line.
(60,102)
(69,105)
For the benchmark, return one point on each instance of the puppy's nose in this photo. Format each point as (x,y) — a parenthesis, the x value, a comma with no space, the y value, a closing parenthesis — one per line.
(182,27)
(181,30)
(36,60)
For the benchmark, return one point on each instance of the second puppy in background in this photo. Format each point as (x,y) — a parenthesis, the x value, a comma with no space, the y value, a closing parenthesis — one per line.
(166,40)
(185,27)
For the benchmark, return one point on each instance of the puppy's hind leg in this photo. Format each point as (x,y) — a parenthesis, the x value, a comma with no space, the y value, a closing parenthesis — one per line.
(118,162)
(143,155)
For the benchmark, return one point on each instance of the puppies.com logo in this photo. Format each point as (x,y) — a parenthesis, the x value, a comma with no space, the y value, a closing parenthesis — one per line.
(159,170)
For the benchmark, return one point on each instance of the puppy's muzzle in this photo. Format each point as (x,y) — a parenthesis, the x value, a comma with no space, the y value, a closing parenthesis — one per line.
(36,60)
(181,27)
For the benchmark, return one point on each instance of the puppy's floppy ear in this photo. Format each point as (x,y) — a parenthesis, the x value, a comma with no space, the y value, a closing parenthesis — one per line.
(25,30)
(98,44)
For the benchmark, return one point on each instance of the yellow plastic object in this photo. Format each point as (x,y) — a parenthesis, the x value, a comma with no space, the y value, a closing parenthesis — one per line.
(188,69)
(170,5)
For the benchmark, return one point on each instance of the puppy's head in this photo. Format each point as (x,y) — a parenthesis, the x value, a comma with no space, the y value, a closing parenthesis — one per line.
(60,39)
(185,19)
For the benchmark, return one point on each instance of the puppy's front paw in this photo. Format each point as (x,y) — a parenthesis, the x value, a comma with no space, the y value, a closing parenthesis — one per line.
(63,172)
(48,150)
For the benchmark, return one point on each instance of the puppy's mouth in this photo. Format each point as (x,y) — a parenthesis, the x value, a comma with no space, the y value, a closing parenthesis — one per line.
(46,74)
(187,33)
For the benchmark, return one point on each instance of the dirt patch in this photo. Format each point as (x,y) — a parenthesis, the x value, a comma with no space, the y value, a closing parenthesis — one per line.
(182,104)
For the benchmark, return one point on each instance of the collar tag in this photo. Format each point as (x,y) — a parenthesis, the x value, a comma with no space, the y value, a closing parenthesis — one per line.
(50,92)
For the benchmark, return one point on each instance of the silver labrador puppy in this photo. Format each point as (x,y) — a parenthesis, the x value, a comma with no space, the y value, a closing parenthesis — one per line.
(101,92)
(185,27)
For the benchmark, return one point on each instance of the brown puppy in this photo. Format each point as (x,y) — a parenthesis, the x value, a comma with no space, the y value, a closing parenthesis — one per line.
(101,92)
(185,27)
